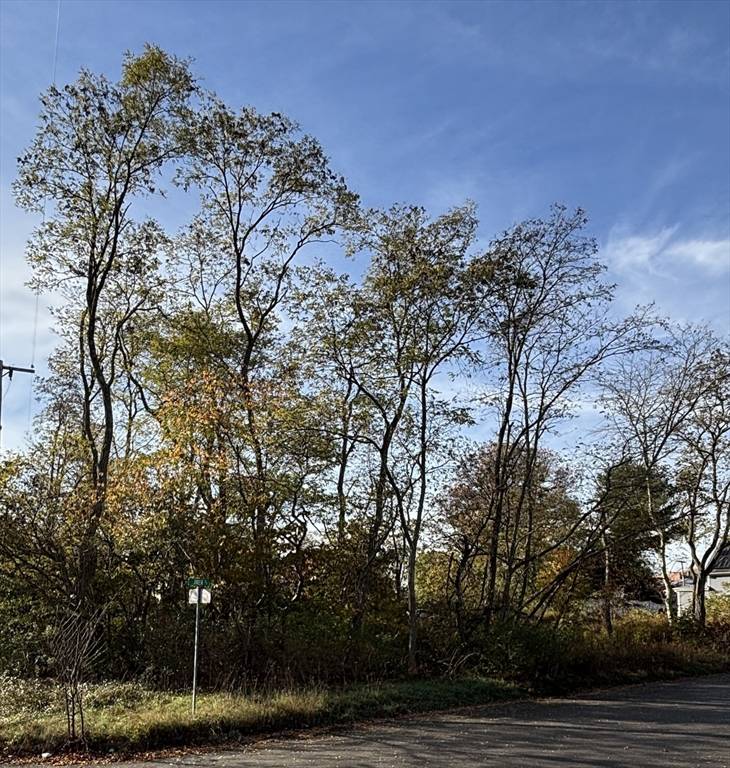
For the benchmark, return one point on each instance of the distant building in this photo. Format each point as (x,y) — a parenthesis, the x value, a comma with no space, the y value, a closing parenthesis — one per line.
(720,574)
(718,581)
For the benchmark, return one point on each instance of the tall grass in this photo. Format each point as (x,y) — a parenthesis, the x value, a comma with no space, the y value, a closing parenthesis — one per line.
(142,720)
(511,660)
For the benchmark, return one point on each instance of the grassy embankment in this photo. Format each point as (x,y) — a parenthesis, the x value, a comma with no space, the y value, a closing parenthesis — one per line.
(127,718)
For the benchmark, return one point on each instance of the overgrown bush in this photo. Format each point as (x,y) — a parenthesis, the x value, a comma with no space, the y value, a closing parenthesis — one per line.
(718,610)
(643,646)
(640,627)
(531,652)
(19,696)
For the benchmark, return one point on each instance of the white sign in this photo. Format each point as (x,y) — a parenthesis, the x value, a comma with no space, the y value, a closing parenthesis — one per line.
(204,596)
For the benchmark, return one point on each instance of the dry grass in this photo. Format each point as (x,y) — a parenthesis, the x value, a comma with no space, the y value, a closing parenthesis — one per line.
(127,718)
(158,720)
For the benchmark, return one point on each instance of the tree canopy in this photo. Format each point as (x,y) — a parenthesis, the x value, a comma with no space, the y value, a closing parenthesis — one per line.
(225,400)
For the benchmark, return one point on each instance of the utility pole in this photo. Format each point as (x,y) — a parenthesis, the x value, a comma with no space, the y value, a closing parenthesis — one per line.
(9,370)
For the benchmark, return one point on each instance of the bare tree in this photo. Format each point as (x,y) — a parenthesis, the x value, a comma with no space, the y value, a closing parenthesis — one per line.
(549,328)
(75,644)
(649,397)
(704,472)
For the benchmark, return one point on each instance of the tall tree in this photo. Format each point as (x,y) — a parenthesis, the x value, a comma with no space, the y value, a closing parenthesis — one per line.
(100,147)
(704,471)
(267,192)
(649,396)
(421,271)
(547,317)
(628,539)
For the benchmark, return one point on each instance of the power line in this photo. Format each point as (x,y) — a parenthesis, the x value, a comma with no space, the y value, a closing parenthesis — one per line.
(55,47)
(36,308)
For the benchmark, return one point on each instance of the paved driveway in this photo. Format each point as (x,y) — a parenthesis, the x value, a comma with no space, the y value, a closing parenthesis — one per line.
(660,725)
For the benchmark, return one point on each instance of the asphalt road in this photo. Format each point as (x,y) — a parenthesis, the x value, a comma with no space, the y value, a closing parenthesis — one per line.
(669,725)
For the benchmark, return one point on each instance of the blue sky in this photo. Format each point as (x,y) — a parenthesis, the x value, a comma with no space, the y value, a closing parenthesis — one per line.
(622,108)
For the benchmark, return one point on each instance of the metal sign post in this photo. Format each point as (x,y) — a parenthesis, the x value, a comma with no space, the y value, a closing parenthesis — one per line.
(195,652)
(199,596)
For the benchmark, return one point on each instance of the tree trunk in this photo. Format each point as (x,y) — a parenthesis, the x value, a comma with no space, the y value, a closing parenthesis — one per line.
(698,598)
(670,607)
(668,597)
(412,613)
(607,612)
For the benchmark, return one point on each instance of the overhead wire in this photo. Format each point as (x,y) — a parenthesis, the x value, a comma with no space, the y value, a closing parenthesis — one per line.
(34,343)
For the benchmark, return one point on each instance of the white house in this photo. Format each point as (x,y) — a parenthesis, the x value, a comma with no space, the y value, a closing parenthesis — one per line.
(718,581)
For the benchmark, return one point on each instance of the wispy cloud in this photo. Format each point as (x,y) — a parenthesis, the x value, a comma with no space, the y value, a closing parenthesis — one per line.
(637,251)
(679,52)
(712,255)
(663,252)
(628,36)
(687,277)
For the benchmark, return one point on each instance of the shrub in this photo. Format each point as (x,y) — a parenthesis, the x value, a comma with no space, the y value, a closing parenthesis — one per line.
(532,652)
(643,646)
(19,696)
(641,628)
(718,610)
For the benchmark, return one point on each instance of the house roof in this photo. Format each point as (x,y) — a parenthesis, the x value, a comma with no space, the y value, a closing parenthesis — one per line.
(723,559)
